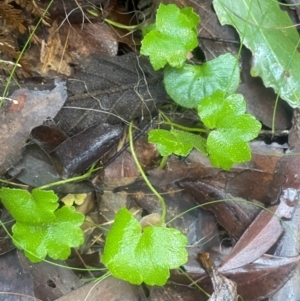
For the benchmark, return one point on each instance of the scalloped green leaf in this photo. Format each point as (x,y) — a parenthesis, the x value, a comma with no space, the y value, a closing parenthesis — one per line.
(273,39)
(40,229)
(188,85)
(176,142)
(173,35)
(232,129)
(23,205)
(140,256)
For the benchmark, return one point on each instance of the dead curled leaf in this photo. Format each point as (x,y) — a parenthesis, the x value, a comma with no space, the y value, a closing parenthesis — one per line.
(77,153)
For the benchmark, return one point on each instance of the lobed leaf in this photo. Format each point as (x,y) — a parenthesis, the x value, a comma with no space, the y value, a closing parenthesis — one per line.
(173,35)
(37,207)
(40,229)
(227,143)
(147,256)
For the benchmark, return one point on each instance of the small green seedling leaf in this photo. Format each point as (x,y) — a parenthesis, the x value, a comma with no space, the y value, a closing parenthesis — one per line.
(147,256)
(176,142)
(40,229)
(173,35)
(231,128)
(188,85)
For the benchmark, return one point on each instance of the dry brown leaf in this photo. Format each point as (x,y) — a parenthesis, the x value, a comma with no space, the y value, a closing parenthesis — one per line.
(262,233)
(18,118)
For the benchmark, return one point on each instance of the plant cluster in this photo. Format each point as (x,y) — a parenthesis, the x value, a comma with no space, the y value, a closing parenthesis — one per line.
(207,88)
(131,252)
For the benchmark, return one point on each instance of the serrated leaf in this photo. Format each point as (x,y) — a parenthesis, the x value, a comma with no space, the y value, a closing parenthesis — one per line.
(232,129)
(273,39)
(147,256)
(188,85)
(176,142)
(173,36)
(39,229)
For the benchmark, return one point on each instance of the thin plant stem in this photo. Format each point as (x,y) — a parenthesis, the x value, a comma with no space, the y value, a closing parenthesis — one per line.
(164,116)
(274,115)
(163,162)
(14,184)
(161,199)
(74,179)
(122,26)
(185,128)
(182,127)
(194,283)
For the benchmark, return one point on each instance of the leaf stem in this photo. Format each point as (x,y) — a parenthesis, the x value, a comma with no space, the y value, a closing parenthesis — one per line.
(122,26)
(163,162)
(185,128)
(161,199)
(194,282)
(182,127)
(164,116)
(78,178)
(14,184)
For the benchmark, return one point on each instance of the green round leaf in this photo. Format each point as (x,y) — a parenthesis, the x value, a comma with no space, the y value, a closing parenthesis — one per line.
(147,256)
(173,36)
(189,85)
